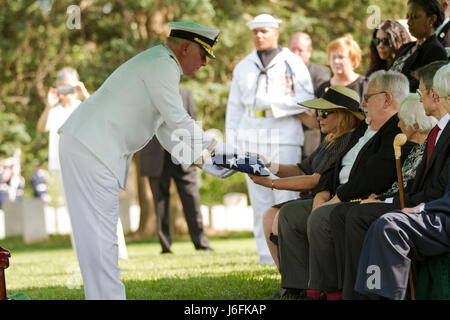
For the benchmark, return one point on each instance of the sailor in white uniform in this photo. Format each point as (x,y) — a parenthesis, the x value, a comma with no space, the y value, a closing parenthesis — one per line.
(263,115)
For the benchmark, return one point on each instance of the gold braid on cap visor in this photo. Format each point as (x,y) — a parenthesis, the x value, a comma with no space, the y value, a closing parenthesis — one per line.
(205,46)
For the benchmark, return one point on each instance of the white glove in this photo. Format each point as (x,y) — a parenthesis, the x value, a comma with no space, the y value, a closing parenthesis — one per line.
(217,171)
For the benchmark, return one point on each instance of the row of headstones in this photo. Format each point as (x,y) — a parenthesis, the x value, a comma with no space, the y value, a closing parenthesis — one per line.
(35,220)
(233,215)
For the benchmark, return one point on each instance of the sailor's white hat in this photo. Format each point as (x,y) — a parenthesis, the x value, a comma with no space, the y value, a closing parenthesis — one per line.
(263,21)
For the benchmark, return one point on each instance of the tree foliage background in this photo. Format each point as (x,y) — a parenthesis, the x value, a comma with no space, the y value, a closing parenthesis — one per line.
(37,39)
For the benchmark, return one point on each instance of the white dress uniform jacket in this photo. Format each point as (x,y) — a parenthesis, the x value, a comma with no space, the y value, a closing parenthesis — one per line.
(138,100)
(276,93)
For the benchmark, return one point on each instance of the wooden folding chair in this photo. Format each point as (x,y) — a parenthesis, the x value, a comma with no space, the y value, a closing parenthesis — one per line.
(4,263)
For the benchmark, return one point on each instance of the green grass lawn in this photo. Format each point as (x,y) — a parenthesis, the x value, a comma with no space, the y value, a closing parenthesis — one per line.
(49,270)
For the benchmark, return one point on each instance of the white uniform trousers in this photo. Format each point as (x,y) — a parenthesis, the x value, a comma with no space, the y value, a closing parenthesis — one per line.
(92,194)
(262,198)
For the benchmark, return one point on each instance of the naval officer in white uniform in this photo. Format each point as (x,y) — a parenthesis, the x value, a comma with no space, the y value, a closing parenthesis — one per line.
(263,115)
(138,100)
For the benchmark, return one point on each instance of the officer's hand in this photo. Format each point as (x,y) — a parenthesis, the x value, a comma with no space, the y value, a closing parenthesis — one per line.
(217,171)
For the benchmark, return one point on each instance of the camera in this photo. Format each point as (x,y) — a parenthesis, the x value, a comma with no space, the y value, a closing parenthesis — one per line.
(65,89)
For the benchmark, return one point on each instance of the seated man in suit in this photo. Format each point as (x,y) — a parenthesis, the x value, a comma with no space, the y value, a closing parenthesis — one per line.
(398,237)
(368,164)
(157,165)
(350,222)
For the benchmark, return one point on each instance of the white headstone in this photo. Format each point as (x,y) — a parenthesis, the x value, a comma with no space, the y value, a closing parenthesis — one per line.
(218,217)
(235,200)
(238,215)
(240,219)
(63,220)
(50,219)
(34,228)
(2,224)
(124,213)
(123,254)
(135,216)
(13,218)
(205,214)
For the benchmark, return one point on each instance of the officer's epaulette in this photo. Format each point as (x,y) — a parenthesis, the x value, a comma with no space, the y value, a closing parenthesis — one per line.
(174,59)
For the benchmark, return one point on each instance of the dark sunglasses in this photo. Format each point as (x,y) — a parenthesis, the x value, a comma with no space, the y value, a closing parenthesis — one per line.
(324,114)
(385,41)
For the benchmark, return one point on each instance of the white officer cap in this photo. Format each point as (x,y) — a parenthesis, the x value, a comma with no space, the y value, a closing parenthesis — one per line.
(263,21)
(204,36)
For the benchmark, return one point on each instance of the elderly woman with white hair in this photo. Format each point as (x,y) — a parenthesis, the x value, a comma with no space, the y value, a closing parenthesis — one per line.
(416,125)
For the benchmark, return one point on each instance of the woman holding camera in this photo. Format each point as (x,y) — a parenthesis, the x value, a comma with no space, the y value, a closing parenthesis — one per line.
(61,102)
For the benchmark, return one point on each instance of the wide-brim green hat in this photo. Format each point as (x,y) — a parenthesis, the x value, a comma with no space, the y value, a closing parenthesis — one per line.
(337,97)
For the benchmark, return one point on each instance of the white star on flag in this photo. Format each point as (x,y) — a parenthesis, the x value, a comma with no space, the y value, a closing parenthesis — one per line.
(256,167)
(232,162)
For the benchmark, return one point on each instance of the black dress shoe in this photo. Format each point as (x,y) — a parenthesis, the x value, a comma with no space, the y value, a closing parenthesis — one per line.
(205,249)
(166,251)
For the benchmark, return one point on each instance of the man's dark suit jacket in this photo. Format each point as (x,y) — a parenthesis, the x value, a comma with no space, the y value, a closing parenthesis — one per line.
(430,180)
(441,205)
(444,35)
(374,169)
(319,74)
(152,155)
(429,51)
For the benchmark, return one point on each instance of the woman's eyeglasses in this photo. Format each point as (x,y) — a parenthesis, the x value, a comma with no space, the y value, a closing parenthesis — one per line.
(324,114)
(385,41)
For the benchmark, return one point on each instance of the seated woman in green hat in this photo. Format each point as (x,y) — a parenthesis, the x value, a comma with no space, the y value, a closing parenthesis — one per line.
(338,115)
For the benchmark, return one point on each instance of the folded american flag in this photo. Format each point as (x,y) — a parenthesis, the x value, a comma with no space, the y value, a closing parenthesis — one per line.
(247,163)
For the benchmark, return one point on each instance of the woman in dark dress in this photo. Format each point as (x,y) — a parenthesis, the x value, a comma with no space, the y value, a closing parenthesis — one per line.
(423,16)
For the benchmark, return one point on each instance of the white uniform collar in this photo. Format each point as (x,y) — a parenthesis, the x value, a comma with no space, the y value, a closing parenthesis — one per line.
(174,57)
(254,56)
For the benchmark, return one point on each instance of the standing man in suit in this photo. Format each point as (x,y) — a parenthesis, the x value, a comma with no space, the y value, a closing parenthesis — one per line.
(300,43)
(157,165)
(349,224)
(140,99)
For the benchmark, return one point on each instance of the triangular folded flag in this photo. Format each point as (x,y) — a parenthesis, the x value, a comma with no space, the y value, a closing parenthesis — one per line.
(246,163)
